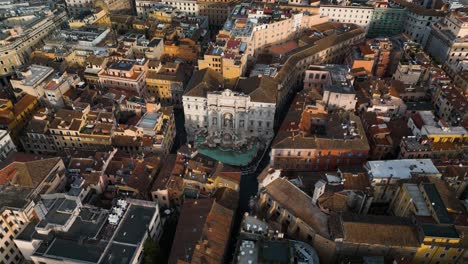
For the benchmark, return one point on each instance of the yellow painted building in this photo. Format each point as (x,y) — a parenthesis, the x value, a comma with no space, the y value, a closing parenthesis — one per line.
(230,180)
(440,244)
(227,59)
(14,117)
(162,15)
(440,241)
(99,18)
(186,49)
(423,124)
(220,179)
(165,82)
(82,129)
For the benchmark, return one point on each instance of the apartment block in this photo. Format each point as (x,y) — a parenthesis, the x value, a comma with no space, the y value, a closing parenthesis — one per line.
(379,97)
(217,11)
(440,241)
(18,45)
(361,57)
(191,175)
(99,17)
(84,42)
(77,8)
(78,129)
(58,90)
(166,81)
(298,218)
(127,75)
(447,40)
(261,28)
(187,6)
(312,139)
(334,83)
(31,80)
(14,117)
(386,175)
(226,56)
(145,7)
(314,49)
(451,104)
(424,123)
(153,133)
(393,237)
(419,20)
(22,182)
(103,234)
(357,14)
(387,20)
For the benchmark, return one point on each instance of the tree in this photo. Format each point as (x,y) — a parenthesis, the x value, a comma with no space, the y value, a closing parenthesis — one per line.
(152,252)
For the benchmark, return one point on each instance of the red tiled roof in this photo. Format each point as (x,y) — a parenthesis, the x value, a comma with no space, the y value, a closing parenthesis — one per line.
(232,44)
(189,228)
(284,48)
(232,176)
(418,121)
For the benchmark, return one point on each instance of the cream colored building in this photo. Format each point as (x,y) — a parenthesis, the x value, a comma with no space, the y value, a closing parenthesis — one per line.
(18,45)
(261,28)
(356,14)
(59,88)
(448,40)
(144,7)
(186,6)
(32,80)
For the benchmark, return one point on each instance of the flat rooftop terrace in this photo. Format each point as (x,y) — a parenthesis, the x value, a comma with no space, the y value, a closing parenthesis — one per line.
(36,73)
(401,169)
(134,224)
(13,196)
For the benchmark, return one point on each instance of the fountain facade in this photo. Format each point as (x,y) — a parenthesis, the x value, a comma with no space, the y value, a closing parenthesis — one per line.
(229,121)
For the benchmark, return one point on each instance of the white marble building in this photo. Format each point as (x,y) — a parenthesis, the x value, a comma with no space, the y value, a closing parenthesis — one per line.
(225,117)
